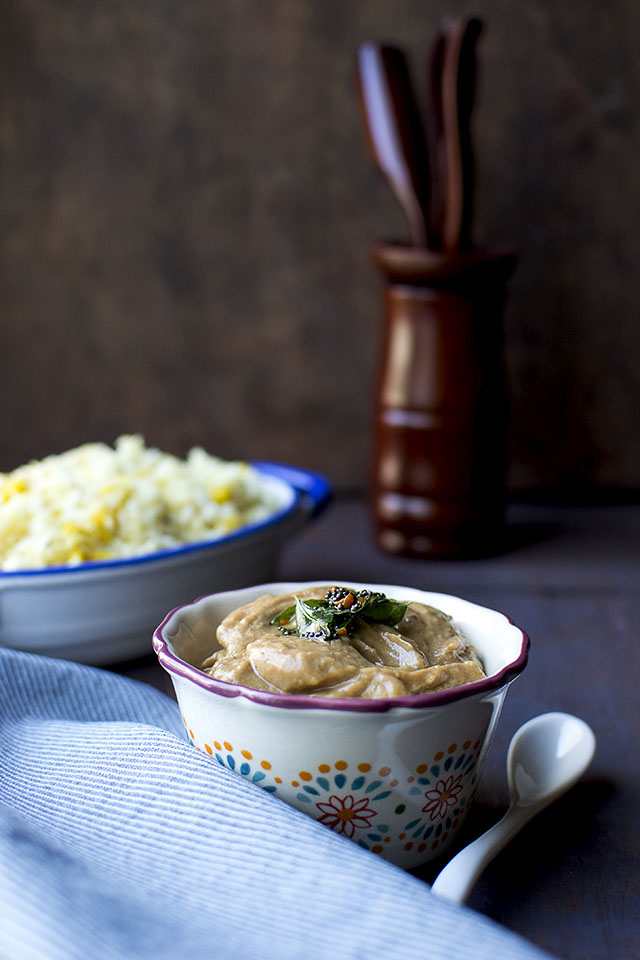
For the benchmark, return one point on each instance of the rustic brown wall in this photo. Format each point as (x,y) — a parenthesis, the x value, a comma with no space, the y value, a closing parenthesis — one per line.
(187,208)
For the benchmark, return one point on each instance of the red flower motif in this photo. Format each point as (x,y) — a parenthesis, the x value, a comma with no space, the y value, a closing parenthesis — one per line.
(444,795)
(343,814)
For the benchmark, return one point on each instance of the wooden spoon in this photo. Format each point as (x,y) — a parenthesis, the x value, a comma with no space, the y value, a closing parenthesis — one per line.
(458,85)
(394,132)
(435,138)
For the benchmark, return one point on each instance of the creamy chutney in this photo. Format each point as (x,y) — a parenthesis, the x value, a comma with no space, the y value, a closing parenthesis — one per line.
(339,642)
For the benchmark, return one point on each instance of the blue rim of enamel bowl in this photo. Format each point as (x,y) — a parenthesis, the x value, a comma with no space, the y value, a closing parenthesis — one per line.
(291,701)
(299,482)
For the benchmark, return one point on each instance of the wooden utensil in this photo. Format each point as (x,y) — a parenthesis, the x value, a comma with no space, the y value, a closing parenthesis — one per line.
(457,92)
(435,138)
(394,132)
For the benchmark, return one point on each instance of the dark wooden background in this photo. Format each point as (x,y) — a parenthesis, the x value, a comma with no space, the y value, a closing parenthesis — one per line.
(187,208)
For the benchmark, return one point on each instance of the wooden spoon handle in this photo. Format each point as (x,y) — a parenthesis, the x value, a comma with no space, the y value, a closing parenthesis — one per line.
(435,138)
(458,83)
(394,131)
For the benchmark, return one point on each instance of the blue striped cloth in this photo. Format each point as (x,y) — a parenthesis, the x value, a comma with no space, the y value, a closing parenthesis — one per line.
(118,840)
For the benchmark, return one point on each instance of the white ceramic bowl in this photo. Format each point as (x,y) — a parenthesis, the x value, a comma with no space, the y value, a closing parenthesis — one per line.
(105,612)
(395,775)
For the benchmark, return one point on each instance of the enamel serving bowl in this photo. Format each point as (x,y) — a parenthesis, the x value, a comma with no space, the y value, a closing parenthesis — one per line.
(105,612)
(395,775)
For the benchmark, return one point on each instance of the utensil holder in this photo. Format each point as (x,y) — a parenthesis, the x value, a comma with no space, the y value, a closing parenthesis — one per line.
(441,411)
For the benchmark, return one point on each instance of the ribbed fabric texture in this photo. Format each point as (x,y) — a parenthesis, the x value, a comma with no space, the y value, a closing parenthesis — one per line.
(119,840)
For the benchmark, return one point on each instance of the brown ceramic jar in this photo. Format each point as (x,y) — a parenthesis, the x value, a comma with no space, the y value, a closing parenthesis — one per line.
(439,466)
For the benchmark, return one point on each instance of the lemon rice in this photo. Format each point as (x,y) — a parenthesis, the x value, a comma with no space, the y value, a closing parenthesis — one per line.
(101,503)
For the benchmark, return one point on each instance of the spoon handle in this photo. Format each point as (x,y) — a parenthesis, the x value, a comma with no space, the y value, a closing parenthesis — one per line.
(394,131)
(457,84)
(435,138)
(458,878)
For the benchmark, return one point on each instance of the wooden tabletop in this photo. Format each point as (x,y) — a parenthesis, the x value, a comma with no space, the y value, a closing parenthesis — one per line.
(571,578)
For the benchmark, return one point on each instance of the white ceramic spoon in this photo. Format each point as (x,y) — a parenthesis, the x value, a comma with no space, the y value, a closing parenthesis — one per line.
(547,755)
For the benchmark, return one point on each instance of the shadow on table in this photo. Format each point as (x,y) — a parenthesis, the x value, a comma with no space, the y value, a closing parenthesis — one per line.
(520,535)
(535,885)
(146,670)
(545,844)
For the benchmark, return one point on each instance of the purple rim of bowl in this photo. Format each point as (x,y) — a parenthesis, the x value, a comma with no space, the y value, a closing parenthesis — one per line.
(291,701)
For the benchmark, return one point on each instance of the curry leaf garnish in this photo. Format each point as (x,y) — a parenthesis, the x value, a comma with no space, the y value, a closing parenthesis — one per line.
(383,610)
(330,617)
(313,620)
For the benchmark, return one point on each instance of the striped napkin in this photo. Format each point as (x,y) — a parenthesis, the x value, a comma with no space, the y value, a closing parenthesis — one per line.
(118,840)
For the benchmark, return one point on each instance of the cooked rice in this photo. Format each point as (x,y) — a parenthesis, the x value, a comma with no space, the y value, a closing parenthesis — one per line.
(99,503)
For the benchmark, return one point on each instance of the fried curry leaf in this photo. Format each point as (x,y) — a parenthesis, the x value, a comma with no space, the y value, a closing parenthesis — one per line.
(381,609)
(312,618)
(317,620)
(327,618)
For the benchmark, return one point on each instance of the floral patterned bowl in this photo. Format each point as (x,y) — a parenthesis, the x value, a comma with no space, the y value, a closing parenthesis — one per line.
(395,775)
